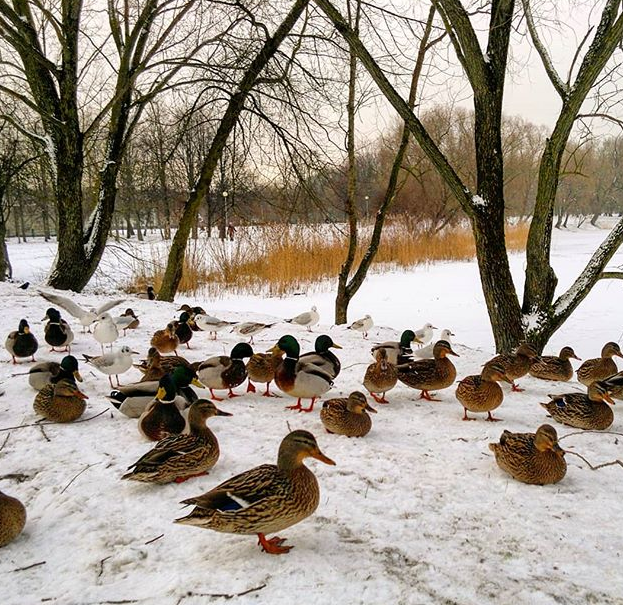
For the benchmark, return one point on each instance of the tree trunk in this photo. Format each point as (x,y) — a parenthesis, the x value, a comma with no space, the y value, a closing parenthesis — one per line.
(5,263)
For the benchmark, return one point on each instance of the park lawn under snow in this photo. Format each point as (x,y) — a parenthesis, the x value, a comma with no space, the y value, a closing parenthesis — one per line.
(416,512)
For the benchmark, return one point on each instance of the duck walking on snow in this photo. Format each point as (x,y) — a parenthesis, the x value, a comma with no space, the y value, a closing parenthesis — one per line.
(22,342)
(57,331)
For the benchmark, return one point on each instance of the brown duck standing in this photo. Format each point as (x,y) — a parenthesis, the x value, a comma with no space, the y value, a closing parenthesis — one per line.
(517,364)
(381,376)
(347,415)
(261,367)
(601,368)
(428,374)
(166,341)
(555,368)
(483,393)
(12,518)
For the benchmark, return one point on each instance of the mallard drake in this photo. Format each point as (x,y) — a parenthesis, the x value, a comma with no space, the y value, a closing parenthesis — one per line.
(133,399)
(193,312)
(112,364)
(12,518)
(21,342)
(534,458)
(162,417)
(483,393)
(517,364)
(46,372)
(555,368)
(429,374)
(105,330)
(261,367)
(600,369)
(165,341)
(397,349)
(180,457)
(363,325)
(322,357)
(347,415)
(127,321)
(223,372)
(265,499)
(57,330)
(299,379)
(381,376)
(156,365)
(590,411)
(149,294)
(86,317)
(183,329)
(426,352)
(251,328)
(60,402)
(212,324)
(308,319)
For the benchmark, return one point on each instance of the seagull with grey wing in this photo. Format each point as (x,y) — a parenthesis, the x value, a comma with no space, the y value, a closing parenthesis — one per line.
(427,351)
(86,317)
(251,328)
(116,362)
(362,325)
(212,324)
(306,320)
(425,333)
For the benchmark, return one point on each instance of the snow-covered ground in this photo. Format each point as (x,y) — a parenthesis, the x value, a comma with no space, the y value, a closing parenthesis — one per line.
(416,512)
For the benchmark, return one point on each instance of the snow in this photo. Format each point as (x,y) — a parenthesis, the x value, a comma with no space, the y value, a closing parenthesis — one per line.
(415,512)
(479,201)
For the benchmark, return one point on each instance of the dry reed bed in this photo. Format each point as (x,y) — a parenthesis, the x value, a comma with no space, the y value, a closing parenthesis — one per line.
(281,259)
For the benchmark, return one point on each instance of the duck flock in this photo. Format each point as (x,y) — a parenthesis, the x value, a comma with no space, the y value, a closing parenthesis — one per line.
(170,406)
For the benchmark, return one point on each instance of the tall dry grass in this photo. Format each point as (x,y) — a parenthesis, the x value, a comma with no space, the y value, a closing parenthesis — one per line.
(281,259)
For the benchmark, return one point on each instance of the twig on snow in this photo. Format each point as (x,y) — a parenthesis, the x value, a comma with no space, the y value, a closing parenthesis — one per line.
(87,467)
(220,595)
(589,431)
(99,575)
(154,539)
(39,423)
(43,433)
(594,468)
(4,442)
(29,566)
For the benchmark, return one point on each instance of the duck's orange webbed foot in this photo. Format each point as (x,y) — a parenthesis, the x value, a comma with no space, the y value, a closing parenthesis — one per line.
(426,395)
(379,399)
(295,407)
(187,477)
(251,387)
(517,389)
(274,545)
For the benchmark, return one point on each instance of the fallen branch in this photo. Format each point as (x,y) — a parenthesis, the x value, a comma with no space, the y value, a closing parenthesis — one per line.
(154,539)
(87,467)
(99,575)
(220,595)
(594,468)
(43,433)
(29,566)
(4,442)
(589,431)
(39,423)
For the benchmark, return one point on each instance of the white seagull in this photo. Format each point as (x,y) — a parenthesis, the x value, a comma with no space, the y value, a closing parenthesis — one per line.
(307,319)
(86,317)
(362,325)
(116,362)
(251,328)
(105,332)
(212,324)
(425,333)
(427,351)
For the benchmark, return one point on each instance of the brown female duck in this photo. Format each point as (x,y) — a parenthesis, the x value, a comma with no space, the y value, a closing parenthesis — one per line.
(261,367)
(429,374)
(518,363)
(483,393)
(534,458)
(555,368)
(12,518)
(166,341)
(347,415)
(60,402)
(380,376)
(601,368)
(156,365)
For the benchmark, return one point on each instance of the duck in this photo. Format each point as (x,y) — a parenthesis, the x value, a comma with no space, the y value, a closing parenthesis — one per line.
(308,319)
(165,341)
(517,364)
(426,352)
(347,415)
(132,399)
(223,372)
(21,342)
(46,372)
(128,320)
(105,330)
(297,378)
(12,518)
(534,458)
(615,385)
(251,328)
(397,349)
(428,374)
(113,363)
(86,317)
(555,368)
(183,329)
(600,369)
(261,367)
(322,357)
(363,325)
(60,402)
(266,499)
(162,417)
(149,294)
(193,312)
(425,334)
(482,393)
(588,411)
(57,331)
(156,365)
(380,377)
(212,325)
(181,457)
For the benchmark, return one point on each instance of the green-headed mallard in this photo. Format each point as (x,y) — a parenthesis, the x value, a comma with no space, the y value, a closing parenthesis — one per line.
(261,367)
(483,393)
(180,457)
(223,372)
(590,411)
(321,357)
(46,372)
(517,364)
(193,312)
(57,331)
(534,458)
(21,342)
(133,399)
(12,518)
(429,374)
(603,367)
(60,402)
(298,379)
(381,376)
(347,415)
(183,329)
(397,349)
(165,341)
(162,417)
(265,499)
(555,368)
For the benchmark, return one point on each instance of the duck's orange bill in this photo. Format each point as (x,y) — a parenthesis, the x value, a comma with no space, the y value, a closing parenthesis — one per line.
(318,455)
